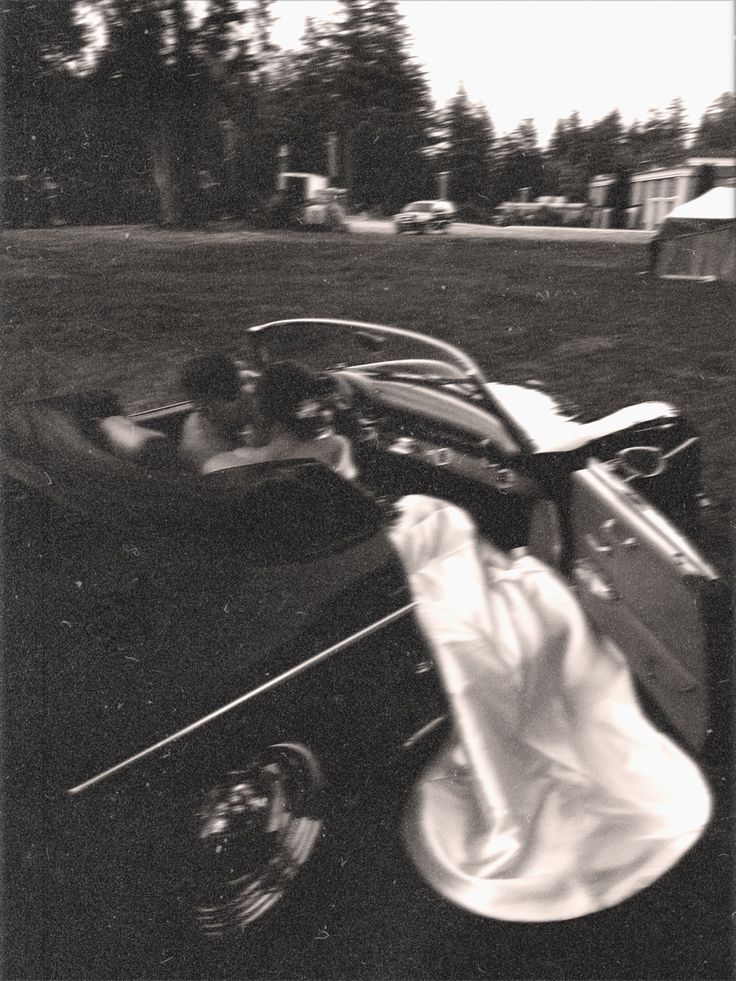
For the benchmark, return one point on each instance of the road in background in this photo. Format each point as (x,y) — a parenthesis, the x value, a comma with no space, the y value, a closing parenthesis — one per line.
(383,226)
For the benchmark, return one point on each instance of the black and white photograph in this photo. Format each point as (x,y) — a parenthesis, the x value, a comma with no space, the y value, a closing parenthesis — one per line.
(366,490)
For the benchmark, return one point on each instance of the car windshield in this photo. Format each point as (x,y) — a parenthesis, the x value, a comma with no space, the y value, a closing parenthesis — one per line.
(386,351)
(418,206)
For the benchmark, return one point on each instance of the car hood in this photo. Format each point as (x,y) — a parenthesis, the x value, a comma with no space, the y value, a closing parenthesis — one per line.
(549,430)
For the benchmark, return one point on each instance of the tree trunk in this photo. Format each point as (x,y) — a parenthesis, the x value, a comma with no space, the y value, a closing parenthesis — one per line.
(162,159)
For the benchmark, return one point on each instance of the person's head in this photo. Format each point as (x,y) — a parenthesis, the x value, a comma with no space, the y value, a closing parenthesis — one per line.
(214,382)
(291,397)
(211,377)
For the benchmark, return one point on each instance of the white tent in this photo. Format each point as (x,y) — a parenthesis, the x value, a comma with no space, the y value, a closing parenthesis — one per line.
(698,239)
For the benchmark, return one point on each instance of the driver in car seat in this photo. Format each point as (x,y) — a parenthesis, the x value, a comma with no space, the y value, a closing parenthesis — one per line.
(223,410)
(290,402)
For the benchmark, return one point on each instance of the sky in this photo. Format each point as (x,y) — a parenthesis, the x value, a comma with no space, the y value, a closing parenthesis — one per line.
(543,59)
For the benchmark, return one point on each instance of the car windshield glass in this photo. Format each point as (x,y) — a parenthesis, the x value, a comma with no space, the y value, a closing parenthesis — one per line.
(387,351)
(419,206)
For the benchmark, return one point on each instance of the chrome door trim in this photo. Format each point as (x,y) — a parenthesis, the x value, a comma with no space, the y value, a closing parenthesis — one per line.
(236,703)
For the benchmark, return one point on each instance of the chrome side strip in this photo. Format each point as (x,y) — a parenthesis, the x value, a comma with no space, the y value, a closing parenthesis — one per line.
(424,731)
(266,686)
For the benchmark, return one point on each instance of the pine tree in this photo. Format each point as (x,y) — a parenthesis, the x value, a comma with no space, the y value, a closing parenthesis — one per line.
(716,132)
(663,137)
(469,156)
(308,101)
(519,163)
(155,101)
(566,171)
(384,105)
(39,96)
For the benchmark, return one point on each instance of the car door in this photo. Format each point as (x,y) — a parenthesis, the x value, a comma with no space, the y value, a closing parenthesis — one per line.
(647,587)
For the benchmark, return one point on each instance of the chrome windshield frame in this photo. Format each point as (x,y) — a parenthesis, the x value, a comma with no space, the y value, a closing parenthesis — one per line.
(454,354)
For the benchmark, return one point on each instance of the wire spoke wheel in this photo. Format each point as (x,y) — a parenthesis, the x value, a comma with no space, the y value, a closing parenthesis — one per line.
(256,829)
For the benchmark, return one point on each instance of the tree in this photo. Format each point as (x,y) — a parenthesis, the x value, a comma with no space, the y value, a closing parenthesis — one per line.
(242,152)
(384,107)
(157,86)
(605,145)
(716,132)
(308,99)
(39,93)
(169,72)
(520,163)
(662,140)
(470,141)
(673,136)
(353,78)
(566,167)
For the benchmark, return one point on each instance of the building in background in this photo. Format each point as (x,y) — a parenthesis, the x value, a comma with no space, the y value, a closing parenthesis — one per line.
(608,200)
(653,194)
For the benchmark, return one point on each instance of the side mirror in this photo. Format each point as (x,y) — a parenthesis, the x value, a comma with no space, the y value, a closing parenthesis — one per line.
(641,461)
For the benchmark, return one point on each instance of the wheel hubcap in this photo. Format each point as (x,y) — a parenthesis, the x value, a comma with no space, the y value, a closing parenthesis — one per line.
(255,830)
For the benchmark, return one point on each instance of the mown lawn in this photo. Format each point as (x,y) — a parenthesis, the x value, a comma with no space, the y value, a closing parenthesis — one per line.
(123,307)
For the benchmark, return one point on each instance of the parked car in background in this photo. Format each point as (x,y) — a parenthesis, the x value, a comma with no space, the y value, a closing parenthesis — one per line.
(307,201)
(425,216)
(325,210)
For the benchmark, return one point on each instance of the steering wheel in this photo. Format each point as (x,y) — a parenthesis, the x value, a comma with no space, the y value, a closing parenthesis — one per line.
(338,396)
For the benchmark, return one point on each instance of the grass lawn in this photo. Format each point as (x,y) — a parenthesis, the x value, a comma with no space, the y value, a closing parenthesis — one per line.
(123,307)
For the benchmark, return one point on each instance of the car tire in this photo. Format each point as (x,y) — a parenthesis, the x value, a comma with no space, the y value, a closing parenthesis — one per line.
(252,832)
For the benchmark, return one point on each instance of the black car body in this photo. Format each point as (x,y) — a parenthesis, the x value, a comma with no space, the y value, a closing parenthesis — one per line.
(200,670)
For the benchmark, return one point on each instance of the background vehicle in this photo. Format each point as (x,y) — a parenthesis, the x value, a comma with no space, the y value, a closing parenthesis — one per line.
(207,672)
(425,216)
(307,201)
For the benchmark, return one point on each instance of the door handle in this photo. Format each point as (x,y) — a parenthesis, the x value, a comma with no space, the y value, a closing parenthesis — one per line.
(593,583)
(609,536)
(600,548)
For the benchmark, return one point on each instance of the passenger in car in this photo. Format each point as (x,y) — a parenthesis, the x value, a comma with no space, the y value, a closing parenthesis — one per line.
(290,406)
(223,410)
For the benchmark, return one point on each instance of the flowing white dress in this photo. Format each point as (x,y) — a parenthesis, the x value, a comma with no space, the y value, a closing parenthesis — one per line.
(555,796)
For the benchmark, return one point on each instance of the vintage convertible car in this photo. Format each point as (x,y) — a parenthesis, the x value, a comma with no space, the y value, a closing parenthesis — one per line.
(203,672)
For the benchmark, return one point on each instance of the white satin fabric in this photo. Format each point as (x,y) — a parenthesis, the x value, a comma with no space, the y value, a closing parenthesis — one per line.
(555,796)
